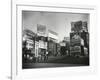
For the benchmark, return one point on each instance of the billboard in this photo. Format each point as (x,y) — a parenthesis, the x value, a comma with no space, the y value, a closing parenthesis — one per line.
(76,26)
(79,26)
(53,35)
(41,30)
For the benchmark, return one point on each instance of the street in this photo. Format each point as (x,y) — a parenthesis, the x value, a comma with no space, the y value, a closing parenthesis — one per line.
(60,61)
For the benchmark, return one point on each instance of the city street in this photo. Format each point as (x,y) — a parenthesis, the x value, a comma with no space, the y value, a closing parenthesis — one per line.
(51,41)
(60,61)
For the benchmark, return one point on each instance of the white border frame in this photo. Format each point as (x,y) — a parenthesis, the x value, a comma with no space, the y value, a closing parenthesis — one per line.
(17,72)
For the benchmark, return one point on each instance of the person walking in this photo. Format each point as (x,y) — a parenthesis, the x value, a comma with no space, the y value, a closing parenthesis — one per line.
(46,55)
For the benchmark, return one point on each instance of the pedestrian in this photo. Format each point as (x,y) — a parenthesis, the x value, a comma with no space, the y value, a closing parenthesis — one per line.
(42,56)
(46,55)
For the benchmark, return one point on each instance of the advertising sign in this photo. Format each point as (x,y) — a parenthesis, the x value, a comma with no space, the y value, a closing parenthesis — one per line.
(76,26)
(41,30)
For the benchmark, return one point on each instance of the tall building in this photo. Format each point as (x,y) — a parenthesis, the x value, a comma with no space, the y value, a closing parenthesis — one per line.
(41,46)
(52,42)
(79,38)
(28,45)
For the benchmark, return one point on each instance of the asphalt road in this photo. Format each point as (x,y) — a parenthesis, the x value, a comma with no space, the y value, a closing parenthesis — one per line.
(47,65)
(62,61)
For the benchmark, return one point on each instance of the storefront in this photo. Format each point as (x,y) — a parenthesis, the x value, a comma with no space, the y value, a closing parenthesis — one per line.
(42,45)
(28,50)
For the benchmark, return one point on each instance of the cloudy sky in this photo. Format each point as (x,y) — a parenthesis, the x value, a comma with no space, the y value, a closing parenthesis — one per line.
(57,22)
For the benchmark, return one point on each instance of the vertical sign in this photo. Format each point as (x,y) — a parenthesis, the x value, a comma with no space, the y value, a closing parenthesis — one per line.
(41,30)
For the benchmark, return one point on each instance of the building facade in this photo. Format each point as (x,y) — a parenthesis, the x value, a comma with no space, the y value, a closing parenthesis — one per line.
(52,43)
(41,48)
(79,38)
(28,45)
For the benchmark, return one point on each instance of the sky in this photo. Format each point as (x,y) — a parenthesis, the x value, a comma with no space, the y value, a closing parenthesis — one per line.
(55,21)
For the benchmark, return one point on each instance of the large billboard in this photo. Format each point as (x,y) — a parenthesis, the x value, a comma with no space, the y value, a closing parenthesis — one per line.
(76,26)
(53,35)
(79,26)
(41,30)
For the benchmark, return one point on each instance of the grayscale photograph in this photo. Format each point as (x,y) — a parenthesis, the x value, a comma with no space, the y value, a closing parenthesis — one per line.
(54,39)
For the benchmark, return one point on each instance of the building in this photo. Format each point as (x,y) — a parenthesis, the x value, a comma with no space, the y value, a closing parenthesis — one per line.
(79,38)
(28,45)
(41,42)
(52,42)
(75,44)
(65,46)
(29,37)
